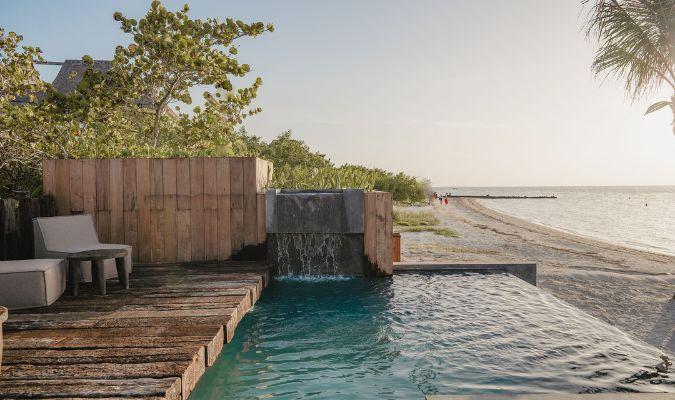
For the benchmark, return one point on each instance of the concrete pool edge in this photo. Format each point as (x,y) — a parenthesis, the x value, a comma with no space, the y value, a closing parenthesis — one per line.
(524,271)
(598,396)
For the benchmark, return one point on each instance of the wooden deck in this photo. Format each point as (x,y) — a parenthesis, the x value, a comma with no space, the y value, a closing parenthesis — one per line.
(153,341)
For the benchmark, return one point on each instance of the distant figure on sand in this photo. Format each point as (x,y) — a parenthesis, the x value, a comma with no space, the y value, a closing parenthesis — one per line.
(446,201)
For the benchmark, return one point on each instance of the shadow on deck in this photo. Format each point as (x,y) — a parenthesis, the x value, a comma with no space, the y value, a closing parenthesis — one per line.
(152,341)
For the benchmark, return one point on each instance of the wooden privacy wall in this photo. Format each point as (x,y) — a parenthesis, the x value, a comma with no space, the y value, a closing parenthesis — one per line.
(377,235)
(169,210)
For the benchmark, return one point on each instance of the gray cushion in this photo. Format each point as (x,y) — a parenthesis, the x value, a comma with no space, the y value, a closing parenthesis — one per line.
(56,237)
(31,283)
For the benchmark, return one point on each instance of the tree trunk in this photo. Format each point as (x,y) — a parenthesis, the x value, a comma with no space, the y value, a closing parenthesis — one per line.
(155,126)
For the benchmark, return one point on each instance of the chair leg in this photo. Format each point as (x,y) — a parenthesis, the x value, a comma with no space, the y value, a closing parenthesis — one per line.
(122,273)
(74,277)
(97,265)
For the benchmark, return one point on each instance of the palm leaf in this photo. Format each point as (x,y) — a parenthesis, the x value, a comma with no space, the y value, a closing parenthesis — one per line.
(657,106)
(635,42)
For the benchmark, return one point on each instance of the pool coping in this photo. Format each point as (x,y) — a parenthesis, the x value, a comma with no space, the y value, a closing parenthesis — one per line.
(598,396)
(525,271)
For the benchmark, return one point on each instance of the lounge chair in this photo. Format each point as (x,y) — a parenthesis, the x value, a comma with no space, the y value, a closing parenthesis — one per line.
(56,237)
(31,283)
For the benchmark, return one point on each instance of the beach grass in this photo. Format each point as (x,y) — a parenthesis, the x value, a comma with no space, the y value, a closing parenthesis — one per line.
(437,230)
(415,218)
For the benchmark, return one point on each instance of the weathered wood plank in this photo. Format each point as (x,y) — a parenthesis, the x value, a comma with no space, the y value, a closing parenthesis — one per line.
(165,388)
(116,193)
(76,192)
(250,201)
(89,187)
(370,227)
(144,244)
(387,262)
(129,184)
(156,184)
(261,234)
(236,183)
(211,234)
(197,209)
(48,176)
(102,185)
(183,183)
(223,193)
(236,205)
(172,323)
(130,213)
(156,201)
(380,228)
(103,228)
(62,187)
(183,229)
(170,208)
(210,209)
(210,183)
(157,227)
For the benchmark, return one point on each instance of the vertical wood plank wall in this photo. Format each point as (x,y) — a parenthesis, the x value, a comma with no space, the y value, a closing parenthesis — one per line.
(169,210)
(378,229)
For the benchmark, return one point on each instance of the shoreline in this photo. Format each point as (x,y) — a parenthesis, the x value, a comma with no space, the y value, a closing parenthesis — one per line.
(567,234)
(629,288)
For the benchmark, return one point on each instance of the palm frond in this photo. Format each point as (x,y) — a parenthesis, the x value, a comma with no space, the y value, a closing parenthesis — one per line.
(635,40)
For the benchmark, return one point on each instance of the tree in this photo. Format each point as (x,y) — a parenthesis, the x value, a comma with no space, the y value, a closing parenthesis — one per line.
(171,53)
(20,85)
(637,44)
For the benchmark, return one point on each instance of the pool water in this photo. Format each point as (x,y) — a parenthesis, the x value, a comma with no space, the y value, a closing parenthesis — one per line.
(413,335)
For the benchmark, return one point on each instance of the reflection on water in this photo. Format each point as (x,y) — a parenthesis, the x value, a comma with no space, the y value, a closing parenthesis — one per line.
(638,217)
(422,334)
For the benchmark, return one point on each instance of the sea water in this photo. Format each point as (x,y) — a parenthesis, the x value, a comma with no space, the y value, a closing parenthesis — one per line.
(411,335)
(638,217)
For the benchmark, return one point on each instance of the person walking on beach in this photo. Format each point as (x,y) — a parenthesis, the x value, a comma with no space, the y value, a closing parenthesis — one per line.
(446,201)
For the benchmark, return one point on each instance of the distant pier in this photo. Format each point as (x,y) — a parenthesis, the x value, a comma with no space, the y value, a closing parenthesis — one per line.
(487,196)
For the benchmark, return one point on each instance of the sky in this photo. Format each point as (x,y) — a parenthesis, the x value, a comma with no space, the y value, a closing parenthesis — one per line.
(464,93)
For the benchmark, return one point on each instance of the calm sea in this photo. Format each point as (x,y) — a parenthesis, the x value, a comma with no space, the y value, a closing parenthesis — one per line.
(639,217)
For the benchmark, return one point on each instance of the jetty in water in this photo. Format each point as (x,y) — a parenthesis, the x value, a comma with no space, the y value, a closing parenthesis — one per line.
(487,196)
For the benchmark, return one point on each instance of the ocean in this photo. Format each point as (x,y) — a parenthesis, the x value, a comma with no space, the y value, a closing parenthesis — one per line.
(640,217)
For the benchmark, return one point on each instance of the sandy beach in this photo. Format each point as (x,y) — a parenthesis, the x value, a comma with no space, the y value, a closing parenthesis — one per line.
(631,289)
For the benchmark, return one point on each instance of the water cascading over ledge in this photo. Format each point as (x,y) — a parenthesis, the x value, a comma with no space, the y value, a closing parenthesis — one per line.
(324,232)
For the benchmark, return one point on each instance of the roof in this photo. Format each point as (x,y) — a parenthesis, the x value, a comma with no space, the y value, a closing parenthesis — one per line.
(71,73)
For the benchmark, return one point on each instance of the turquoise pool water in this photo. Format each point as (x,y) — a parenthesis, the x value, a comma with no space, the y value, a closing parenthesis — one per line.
(421,334)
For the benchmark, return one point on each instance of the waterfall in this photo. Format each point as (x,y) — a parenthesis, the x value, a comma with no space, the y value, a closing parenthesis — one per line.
(316,232)
(308,254)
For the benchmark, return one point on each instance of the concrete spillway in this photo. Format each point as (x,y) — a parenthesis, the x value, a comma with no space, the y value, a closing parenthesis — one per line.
(315,232)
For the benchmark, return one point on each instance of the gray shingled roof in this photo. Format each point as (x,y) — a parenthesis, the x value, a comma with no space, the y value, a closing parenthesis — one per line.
(71,73)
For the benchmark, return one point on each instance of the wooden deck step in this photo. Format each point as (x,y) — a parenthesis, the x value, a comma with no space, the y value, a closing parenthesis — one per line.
(165,388)
(153,341)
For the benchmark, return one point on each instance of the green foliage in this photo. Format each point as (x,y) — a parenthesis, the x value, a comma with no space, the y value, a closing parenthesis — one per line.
(19,125)
(126,111)
(636,45)
(172,53)
(415,218)
(296,166)
(434,229)
(420,221)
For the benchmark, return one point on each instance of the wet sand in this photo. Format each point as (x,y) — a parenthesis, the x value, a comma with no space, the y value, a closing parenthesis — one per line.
(631,289)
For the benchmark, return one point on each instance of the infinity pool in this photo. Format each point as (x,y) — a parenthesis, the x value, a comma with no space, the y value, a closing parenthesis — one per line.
(413,335)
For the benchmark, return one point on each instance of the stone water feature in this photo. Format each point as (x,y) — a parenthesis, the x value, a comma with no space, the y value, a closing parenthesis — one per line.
(316,232)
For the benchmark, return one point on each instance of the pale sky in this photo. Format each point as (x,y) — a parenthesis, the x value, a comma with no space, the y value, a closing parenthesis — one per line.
(466,93)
